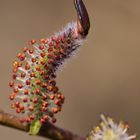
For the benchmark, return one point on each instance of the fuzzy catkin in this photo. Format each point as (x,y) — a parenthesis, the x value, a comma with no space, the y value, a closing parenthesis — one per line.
(34,90)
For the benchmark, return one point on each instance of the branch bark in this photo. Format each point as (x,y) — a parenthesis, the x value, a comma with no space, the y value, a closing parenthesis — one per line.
(48,130)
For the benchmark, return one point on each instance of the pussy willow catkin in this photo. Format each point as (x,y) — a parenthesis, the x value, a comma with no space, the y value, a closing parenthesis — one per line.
(34,89)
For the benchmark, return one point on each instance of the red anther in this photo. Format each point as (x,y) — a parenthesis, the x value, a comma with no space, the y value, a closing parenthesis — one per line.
(18,110)
(11,97)
(18,55)
(26,92)
(41,47)
(50,61)
(45,41)
(42,54)
(50,49)
(25,100)
(56,57)
(56,52)
(61,51)
(11,84)
(59,96)
(28,82)
(45,104)
(51,44)
(45,117)
(42,61)
(38,68)
(32,74)
(28,120)
(33,60)
(31,51)
(15,90)
(31,108)
(54,110)
(33,41)
(35,100)
(57,102)
(50,88)
(21,120)
(44,109)
(44,97)
(59,38)
(21,107)
(42,72)
(55,89)
(23,75)
(62,97)
(53,39)
(14,76)
(46,77)
(53,120)
(50,55)
(52,82)
(32,117)
(22,57)
(42,120)
(19,64)
(25,49)
(37,91)
(44,84)
(14,70)
(38,82)
(57,46)
(20,86)
(46,66)
(52,97)
(17,104)
(27,67)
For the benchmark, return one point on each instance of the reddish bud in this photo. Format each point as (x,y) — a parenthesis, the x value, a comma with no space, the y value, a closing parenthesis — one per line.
(46,117)
(32,74)
(26,92)
(55,110)
(32,41)
(21,107)
(32,117)
(23,75)
(45,104)
(25,100)
(42,120)
(18,110)
(37,91)
(28,120)
(25,49)
(44,85)
(27,82)
(41,47)
(31,108)
(11,84)
(33,60)
(20,85)
(11,97)
(17,104)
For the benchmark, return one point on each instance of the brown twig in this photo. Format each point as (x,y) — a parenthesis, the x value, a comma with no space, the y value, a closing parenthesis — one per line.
(48,130)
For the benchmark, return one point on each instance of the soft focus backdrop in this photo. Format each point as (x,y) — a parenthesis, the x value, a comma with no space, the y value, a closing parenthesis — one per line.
(104,77)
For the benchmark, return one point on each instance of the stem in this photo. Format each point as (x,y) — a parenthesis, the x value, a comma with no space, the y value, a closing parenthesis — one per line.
(48,130)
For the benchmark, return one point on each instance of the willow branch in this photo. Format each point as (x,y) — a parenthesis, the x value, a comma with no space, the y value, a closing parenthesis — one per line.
(48,130)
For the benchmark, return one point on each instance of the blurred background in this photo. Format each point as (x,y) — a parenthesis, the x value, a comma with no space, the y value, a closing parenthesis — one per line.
(104,77)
